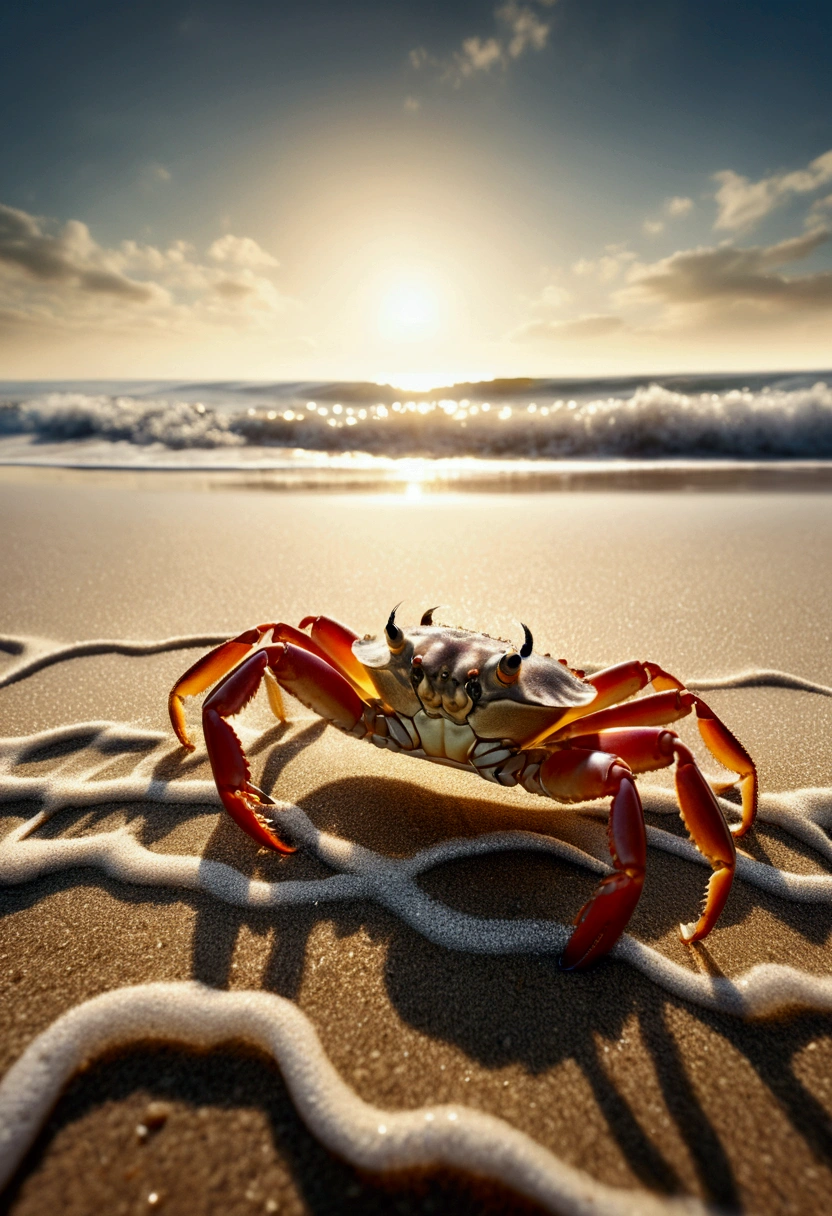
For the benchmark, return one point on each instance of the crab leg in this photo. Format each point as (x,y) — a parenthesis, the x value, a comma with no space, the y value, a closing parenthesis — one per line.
(573,775)
(644,749)
(305,676)
(205,672)
(336,640)
(618,683)
(214,665)
(657,710)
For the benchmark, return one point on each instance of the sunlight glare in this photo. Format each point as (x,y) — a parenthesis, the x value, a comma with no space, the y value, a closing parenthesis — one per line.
(408,310)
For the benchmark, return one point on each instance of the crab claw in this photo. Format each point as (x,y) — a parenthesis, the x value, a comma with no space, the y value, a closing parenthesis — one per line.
(244,802)
(305,676)
(602,920)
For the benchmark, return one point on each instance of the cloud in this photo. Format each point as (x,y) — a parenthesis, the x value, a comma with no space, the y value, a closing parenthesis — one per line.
(240,251)
(677,207)
(818,216)
(520,28)
(553,296)
(525,30)
(233,289)
(154,173)
(726,277)
(606,268)
(742,203)
(60,278)
(412,104)
(584,328)
(69,256)
(478,55)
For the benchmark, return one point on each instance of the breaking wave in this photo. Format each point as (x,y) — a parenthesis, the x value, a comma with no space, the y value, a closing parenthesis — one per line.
(714,417)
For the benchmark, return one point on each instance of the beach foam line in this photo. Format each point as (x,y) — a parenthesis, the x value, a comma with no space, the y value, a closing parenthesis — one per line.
(34,654)
(369,1138)
(764,991)
(38,653)
(764,677)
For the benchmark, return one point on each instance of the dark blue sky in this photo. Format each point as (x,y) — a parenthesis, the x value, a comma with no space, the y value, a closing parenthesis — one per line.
(318,130)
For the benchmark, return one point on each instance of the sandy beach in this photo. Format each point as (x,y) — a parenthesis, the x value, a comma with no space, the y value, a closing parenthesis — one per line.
(612,1074)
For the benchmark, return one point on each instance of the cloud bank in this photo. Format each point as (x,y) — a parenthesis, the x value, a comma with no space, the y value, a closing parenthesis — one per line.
(727,276)
(59,277)
(742,203)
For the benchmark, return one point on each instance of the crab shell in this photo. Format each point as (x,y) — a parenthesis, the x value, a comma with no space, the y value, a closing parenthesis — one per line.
(457,675)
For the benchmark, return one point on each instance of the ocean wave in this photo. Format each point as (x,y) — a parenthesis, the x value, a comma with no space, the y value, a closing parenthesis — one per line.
(648,421)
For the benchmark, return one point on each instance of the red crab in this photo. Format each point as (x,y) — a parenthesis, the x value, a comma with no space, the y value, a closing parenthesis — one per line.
(512,716)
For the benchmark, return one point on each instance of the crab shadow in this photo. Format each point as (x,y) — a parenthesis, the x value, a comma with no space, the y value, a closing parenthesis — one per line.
(515,1010)
(522,1010)
(498,1010)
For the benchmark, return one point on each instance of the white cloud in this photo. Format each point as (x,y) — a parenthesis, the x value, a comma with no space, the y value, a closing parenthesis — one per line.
(583,267)
(553,296)
(819,213)
(584,328)
(520,29)
(607,267)
(675,208)
(153,175)
(69,257)
(478,55)
(678,207)
(525,30)
(412,104)
(743,203)
(61,277)
(720,280)
(240,251)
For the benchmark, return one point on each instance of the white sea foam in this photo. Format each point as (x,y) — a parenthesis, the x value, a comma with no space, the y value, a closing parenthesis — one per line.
(716,416)
(192,1014)
(390,882)
(368,1137)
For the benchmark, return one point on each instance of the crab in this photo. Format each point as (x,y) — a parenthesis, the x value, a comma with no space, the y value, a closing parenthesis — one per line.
(510,715)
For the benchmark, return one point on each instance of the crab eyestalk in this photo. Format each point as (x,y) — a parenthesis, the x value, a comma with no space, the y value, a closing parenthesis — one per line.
(427,617)
(508,668)
(395,636)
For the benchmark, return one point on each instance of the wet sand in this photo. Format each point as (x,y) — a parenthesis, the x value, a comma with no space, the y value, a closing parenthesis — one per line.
(639,1089)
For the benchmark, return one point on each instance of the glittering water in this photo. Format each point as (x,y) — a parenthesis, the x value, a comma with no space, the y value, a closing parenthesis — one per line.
(240,424)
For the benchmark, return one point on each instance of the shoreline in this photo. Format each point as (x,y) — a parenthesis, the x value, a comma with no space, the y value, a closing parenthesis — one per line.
(414,477)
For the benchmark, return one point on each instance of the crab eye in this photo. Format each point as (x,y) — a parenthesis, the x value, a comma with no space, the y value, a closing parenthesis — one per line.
(474,689)
(508,669)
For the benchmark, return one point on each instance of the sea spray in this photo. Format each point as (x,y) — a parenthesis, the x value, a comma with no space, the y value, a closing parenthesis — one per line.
(529,420)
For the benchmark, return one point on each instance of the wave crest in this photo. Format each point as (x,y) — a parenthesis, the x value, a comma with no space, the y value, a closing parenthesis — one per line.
(650,421)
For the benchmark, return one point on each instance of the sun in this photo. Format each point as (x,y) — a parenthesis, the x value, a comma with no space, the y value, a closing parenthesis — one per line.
(409,309)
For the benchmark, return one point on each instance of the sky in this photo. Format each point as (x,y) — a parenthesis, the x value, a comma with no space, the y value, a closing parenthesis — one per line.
(416,192)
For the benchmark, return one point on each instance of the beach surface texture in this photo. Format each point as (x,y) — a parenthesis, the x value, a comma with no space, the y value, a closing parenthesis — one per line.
(377,1022)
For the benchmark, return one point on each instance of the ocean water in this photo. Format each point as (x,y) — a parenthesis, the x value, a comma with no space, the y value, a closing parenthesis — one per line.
(521,424)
